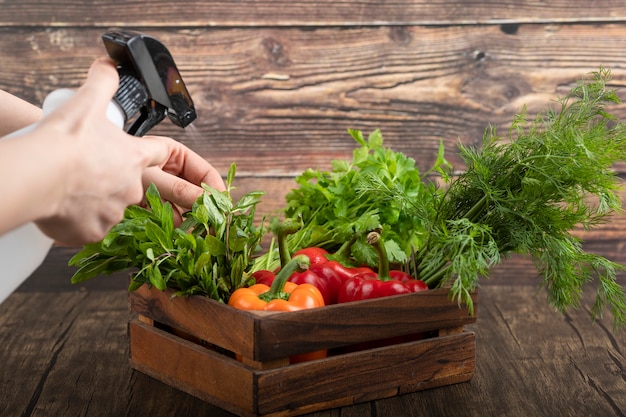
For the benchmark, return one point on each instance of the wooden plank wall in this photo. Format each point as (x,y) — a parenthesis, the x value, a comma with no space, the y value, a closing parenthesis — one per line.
(277,83)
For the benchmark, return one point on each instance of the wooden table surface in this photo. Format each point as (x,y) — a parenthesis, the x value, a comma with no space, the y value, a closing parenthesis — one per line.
(64,352)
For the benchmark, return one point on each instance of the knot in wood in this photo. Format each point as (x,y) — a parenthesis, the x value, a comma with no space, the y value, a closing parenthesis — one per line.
(277,54)
(401,35)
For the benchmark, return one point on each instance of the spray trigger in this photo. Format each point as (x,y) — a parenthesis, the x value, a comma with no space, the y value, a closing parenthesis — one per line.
(151,87)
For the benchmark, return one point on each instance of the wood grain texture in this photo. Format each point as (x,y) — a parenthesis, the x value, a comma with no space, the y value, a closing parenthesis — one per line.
(191,368)
(278,100)
(187,13)
(276,97)
(276,85)
(191,315)
(521,367)
(71,358)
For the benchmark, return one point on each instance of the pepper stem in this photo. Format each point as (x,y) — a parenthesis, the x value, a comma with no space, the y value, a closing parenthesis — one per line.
(344,253)
(299,263)
(287,227)
(374,239)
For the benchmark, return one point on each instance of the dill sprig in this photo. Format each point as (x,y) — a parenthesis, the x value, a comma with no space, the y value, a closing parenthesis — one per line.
(527,195)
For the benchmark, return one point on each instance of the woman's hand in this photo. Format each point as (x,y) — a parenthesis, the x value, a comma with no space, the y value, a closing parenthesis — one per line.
(75,174)
(180,176)
(98,166)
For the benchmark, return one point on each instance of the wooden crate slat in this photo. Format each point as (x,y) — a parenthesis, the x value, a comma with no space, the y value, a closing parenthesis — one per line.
(211,321)
(343,324)
(306,387)
(268,336)
(364,375)
(190,368)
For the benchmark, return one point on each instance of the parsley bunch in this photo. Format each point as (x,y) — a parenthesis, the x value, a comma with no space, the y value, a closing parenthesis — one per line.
(210,253)
(335,208)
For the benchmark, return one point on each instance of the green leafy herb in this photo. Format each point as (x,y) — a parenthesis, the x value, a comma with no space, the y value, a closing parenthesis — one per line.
(210,253)
(527,195)
(335,206)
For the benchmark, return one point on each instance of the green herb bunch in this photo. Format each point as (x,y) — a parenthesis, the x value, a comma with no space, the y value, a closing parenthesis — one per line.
(210,253)
(526,194)
(335,210)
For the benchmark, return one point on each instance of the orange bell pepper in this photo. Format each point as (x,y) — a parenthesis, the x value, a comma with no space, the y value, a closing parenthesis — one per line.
(300,297)
(282,296)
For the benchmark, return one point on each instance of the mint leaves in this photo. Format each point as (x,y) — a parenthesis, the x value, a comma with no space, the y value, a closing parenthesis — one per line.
(210,253)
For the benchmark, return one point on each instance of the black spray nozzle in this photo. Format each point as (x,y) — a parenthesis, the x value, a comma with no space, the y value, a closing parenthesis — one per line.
(150,85)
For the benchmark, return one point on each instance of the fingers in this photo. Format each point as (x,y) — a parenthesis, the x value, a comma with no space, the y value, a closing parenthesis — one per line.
(172,188)
(181,175)
(101,84)
(182,190)
(198,171)
(155,153)
(98,90)
(185,163)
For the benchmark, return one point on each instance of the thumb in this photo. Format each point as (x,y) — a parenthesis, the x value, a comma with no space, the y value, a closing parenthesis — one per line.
(86,106)
(95,95)
(90,101)
(101,84)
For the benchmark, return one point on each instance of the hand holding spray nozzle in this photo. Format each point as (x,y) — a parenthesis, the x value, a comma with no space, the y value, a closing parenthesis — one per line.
(150,88)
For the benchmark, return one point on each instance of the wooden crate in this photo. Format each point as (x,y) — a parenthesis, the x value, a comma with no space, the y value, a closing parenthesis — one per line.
(191,344)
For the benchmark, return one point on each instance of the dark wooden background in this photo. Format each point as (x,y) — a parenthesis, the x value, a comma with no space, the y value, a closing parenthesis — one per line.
(277,83)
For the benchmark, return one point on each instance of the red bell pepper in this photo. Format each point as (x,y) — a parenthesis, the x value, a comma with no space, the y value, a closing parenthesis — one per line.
(318,275)
(326,281)
(415,285)
(315,255)
(341,261)
(264,276)
(345,273)
(374,285)
(324,278)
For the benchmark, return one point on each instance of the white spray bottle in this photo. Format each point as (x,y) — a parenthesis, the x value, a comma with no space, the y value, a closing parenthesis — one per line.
(150,88)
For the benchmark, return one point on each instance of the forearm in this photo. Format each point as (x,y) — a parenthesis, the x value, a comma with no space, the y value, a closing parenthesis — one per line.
(23,169)
(31,172)
(16,113)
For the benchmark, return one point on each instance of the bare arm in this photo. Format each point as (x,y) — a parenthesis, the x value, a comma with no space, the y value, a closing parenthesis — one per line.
(15,208)
(16,113)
